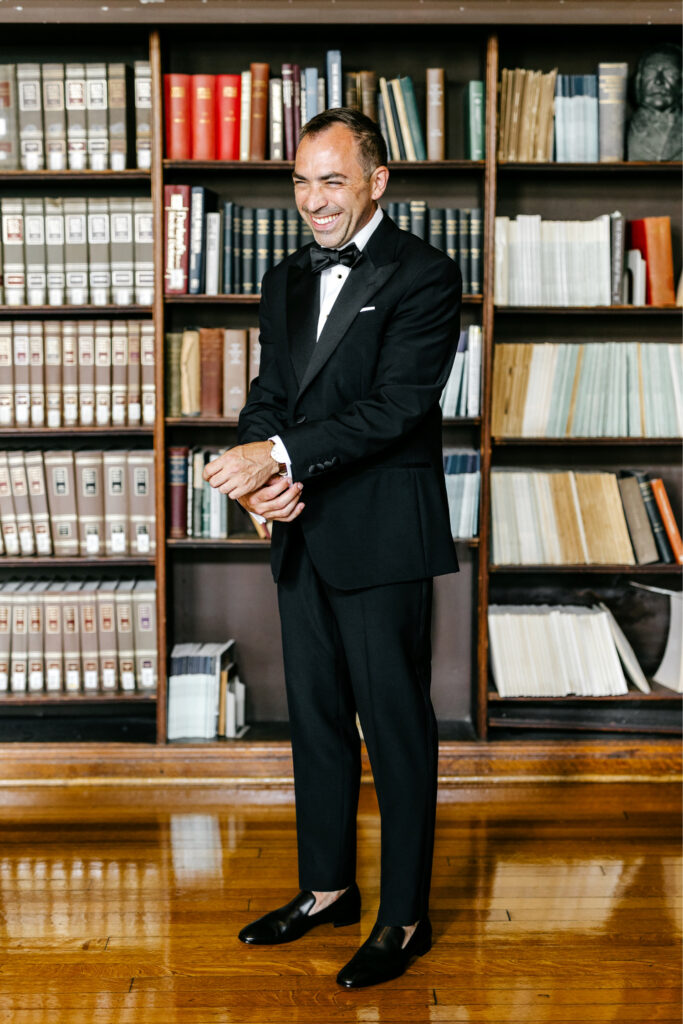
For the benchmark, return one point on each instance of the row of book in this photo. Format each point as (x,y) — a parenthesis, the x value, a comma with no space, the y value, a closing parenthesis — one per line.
(559,650)
(209,369)
(77,251)
(457,232)
(83,503)
(462,393)
(198,510)
(77,373)
(569,118)
(597,389)
(206,697)
(75,116)
(564,517)
(250,115)
(81,636)
(462,468)
(583,263)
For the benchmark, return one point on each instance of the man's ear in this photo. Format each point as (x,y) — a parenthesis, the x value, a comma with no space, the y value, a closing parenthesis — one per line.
(379,181)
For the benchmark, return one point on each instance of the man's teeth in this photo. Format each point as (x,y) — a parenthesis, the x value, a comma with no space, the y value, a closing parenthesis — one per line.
(325,220)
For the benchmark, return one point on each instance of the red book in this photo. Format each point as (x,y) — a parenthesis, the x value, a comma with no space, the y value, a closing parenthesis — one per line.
(652,236)
(259,111)
(296,75)
(177,491)
(288,110)
(176,238)
(228,99)
(177,104)
(665,511)
(203,107)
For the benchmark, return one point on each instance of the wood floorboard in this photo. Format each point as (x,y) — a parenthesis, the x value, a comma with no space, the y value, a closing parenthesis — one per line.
(551,904)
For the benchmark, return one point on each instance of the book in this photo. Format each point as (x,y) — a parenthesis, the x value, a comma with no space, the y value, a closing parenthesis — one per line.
(9,150)
(117,115)
(612,84)
(35,252)
(475,119)
(258,127)
(122,254)
(61,492)
(276,120)
(333,66)
(203,116)
(143,114)
(96,120)
(30,117)
(245,115)
(54,117)
(116,522)
(88,468)
(176,238)
(143,240)
(76,114)
(652,237)
(235,365)
(98,253)
(228,99)
(668,520)
(141,507)
(178,117)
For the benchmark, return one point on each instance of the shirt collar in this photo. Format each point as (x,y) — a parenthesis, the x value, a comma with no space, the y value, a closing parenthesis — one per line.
(361,237)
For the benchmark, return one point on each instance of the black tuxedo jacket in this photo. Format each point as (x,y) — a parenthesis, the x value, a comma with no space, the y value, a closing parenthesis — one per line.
(358,411)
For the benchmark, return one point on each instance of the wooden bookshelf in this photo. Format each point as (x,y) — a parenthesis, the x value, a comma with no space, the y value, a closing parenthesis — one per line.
(225,587)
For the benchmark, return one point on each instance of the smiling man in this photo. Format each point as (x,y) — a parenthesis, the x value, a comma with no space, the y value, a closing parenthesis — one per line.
(341,450)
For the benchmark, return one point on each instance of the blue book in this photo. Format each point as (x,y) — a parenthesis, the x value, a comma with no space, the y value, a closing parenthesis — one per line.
(310,91)
(334,79)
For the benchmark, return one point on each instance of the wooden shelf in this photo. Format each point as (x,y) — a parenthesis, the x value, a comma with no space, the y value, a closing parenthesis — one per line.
(659,693)
(621,167)
(244,300)
(71,311)
(77,562)
(641,570)
(591,310)
(605,441)
(243,543)
(224,421)
(277,166)
(96,697)
(29,433)
(131,174)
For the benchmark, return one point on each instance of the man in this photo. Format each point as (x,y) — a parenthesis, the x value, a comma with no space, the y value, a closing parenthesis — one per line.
(358,335)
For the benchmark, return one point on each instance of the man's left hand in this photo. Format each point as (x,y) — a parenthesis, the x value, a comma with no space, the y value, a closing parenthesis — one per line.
(242,469)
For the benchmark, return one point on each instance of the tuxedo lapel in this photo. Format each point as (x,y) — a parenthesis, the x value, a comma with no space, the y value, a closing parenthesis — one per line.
(303,310)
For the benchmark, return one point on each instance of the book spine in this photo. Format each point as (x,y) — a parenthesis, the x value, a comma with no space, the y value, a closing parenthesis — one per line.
(119,373)
(37,492)
(86,602)
(53,373)
(90,491)
(9,150)
(22,373)
(6,375)
(436,127)
(668,520)
(35,252)
(117,115)
(178,117)
(177,238)
(248,238)
(203,116)
(245,115)
(393,116)
(292,223)
(177,491)
(123,601)
(133,374)
(98,254)
(276,147)
(288,110)
(54,117)
(97,128)
(397,99)
(254,354)
(106,633)
(36,373)
(70,373)
(262,244)
(14,270)
(464,242)
(122,255)
(612,82)
(143,114)
(278,236)
(227,242)
(214,249)
(197,240)
(19,651)
(34,623)
(22,504)
(296,101)
(334,78)
(616,257)
(652,509)
(8,519)
(436,229)
(235,373)
(148,384)
(86,373)
(32,156)
(71,640)
(236,249)
(407,92)
(54,251)
(259,111)
(145,634)
(228,93)
(76,133)
(141,512)
(61,496)
(451,229)
(76,251)
(475,119)
(211,342)
(102,373)
(475,282)
(143,250)
(367,84)
(115,503)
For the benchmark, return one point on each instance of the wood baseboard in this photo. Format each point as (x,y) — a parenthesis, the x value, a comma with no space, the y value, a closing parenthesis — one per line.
(270,764)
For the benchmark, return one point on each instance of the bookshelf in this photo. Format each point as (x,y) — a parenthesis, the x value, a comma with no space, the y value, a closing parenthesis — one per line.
(481,732)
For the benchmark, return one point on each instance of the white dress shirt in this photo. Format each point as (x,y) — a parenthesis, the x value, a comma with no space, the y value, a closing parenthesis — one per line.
(331,283)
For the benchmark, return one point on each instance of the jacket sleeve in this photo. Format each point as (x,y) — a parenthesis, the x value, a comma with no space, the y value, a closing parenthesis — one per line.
(265,411)
(417,353)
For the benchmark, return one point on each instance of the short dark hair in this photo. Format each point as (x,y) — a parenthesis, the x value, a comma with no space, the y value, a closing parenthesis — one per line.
(372,149)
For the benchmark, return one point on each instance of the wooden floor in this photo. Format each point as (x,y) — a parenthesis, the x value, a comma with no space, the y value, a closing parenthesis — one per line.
(549,903)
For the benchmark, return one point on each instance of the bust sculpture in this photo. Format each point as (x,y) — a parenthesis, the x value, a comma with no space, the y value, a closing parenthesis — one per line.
(655,129)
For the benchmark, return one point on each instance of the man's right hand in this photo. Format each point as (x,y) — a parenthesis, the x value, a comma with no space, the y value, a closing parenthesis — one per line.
(277,500)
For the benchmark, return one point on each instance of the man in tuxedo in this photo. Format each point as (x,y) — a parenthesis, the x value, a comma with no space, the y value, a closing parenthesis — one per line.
(358,334)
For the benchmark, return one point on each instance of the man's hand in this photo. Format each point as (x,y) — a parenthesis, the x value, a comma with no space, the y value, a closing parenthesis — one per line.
(278,500)
(241,470)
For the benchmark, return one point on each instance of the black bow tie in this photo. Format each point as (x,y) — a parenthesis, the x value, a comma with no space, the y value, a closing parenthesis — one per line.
(322,258)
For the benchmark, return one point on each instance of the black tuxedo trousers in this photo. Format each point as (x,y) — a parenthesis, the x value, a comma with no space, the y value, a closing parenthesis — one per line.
(367,650)
(358,411)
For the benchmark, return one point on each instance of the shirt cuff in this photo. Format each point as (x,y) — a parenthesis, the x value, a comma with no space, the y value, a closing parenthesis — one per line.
(280,454)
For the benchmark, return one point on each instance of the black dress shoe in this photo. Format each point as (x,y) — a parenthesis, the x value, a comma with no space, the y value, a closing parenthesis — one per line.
(295,919)
(381,957)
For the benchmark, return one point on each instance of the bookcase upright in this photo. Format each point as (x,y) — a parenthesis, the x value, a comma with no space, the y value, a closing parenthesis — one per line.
(210,590)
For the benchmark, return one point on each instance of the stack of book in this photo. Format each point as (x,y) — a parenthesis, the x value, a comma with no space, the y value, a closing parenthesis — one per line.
(209,369)
(78,637)
(583,263)
(206,697)
(74,116)
(584,115)
(554,651)
(84,503)
(597,389)
(77,251)
(198,510)
(463,478)
(583,518)
(65,373)
(462,394)
(455,232)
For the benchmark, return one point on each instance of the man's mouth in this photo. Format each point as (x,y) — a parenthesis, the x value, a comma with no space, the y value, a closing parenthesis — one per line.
(324,222)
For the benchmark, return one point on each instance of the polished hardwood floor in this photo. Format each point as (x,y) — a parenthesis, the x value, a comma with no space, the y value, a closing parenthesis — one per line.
(551,903)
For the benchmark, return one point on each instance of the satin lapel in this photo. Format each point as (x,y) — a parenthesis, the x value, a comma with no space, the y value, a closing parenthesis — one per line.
(360,285)
(303,307)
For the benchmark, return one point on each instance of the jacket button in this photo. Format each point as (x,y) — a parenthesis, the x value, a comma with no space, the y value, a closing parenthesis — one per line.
(312,469)
(301,419)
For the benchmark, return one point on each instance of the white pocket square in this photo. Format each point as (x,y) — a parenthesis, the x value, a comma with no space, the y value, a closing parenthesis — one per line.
(367,309)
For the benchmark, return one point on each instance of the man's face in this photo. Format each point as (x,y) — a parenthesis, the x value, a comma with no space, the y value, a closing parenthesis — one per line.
(330,188)
(660,83)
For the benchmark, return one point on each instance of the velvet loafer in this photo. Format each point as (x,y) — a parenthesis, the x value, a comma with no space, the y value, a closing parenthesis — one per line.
(381,957)
(295,919)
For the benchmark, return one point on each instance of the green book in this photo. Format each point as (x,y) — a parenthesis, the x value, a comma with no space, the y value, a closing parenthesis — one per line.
(474,120)
(553,427)
(263,222)
(248,253)
(173,345)
(410,103)
(292,221)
